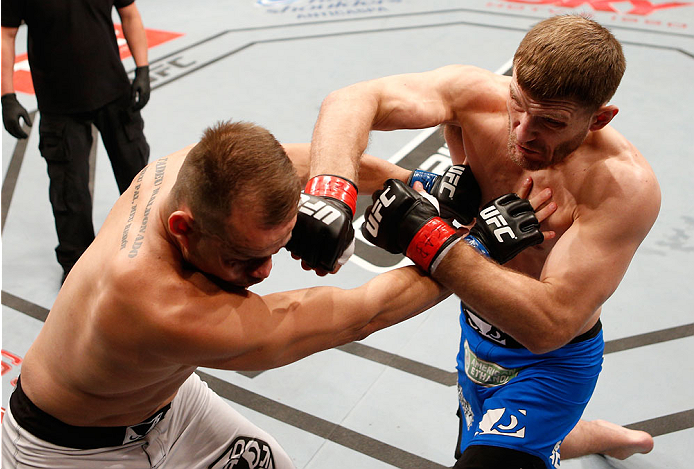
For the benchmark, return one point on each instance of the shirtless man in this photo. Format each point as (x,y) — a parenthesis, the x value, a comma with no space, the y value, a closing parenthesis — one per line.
(536,320)
(163,290)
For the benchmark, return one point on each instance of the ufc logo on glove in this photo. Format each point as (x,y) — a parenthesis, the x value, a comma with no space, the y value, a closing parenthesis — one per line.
(492,216)
(318,209)
(450,180)
(375,216)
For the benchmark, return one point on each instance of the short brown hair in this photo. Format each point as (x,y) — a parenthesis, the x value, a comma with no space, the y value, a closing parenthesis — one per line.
(570,57)
(237,163)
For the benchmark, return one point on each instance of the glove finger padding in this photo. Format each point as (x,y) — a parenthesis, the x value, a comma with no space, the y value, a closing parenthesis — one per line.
(323,236)
(505,227)
(323,232)
(402,221)
(521,211)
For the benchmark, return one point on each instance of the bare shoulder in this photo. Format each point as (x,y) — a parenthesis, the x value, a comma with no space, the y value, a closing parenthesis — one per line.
(621,182)
(474,87)
(470,74)
(173,310)
(471,92)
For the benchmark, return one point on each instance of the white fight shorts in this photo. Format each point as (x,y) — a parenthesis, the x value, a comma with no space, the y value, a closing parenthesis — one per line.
(200,430)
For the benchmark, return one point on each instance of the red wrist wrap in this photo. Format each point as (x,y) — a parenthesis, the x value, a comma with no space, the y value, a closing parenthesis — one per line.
(335,187)
(428,241)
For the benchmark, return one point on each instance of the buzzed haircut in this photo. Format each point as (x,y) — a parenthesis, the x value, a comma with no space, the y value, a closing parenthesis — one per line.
(237,165)
(570,57)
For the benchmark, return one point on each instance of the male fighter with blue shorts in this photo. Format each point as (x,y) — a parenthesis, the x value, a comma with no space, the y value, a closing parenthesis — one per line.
(531,343)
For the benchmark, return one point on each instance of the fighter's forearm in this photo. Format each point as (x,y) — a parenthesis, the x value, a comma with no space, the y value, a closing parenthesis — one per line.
(529,310)
(373,171)
(341,134)
(398,295)
(308,321)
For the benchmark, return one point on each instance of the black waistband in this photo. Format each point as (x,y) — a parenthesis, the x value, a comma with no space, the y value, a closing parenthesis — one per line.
(494,334)
(48,428)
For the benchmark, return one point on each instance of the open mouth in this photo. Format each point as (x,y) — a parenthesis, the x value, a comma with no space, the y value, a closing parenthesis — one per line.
(533,157)
(527,151)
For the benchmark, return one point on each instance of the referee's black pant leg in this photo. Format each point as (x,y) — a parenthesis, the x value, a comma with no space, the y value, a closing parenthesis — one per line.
(65,142)
(122,131)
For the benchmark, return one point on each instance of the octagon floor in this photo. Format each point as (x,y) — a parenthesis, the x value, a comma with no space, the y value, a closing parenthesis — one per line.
(390,400)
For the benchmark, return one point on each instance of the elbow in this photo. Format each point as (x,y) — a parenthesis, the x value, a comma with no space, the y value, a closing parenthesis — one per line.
(343,99)
(361,333)
(549,336)
(334,98)
(552,324)
(545,344)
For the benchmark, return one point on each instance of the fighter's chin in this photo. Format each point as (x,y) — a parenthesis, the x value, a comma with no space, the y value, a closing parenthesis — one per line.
(531,165)
(233,284)
(244,284)
(250,283)
(526,159)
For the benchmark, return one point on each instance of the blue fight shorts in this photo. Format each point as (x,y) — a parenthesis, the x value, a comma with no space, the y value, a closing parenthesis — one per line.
(512,398)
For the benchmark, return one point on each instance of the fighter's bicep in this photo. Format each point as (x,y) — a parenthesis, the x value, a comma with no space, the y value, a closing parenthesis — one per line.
(587,263)
(208,329)
(252,332)
(427,99)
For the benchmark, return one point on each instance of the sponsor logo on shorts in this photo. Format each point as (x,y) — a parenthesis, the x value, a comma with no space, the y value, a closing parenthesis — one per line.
(485,373)
(554,458)
(503,422)
(465,408)
(245,453)
(139,431)
(484,328)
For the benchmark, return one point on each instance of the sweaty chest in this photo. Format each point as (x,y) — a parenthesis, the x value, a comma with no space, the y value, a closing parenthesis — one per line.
(487,155)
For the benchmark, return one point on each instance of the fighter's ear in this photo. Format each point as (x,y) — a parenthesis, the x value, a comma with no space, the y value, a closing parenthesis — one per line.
(180,227)
(602,117)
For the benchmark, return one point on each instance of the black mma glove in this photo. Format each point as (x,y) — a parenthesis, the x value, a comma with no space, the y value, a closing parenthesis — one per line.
(457,191)
(505,226)
(11,112)
(402,221)
(323,236)
(140,88)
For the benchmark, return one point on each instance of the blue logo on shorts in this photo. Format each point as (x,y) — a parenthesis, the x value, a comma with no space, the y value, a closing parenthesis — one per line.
(503,422)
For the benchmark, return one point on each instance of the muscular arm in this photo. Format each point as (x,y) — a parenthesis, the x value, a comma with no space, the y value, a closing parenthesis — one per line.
(408,101)
(583,269)
(373,171)
(134,32)
(8,55)
(250,332)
